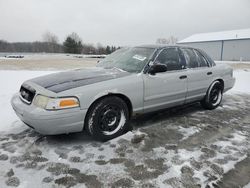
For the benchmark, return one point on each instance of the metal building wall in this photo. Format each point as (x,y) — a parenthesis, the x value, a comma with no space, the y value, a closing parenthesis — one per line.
(213,48)
(229,50)
(236,50)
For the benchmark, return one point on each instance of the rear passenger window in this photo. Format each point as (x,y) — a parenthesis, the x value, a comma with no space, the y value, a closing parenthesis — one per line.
(202,60)
(194,58)
(170,57)
(191,58)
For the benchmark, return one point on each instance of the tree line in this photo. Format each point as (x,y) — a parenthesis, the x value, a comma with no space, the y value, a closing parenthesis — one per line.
(50,44)
(72,44)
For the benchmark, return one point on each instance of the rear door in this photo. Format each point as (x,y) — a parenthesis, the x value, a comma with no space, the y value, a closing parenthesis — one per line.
(167,88)
(199,74)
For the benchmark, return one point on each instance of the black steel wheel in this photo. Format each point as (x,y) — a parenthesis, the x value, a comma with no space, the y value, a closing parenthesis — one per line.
(107,118)
(213,96)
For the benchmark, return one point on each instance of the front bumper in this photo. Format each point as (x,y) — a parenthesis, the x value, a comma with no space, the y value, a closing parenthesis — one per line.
(49,122)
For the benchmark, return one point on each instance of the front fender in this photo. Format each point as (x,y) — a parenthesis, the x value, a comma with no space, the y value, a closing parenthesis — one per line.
(131,87)
(105,93)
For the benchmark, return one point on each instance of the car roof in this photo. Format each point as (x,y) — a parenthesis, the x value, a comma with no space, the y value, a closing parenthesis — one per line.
(160,46)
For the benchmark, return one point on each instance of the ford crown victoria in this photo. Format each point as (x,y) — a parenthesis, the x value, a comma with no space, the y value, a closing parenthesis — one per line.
(130,81)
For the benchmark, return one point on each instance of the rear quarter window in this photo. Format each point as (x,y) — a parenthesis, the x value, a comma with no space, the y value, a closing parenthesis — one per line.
(202,60)
(208,58)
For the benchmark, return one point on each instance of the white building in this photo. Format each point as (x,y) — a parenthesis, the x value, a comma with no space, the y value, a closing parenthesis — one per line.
(225,45)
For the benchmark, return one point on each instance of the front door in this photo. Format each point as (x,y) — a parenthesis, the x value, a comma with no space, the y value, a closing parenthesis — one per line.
(168,88)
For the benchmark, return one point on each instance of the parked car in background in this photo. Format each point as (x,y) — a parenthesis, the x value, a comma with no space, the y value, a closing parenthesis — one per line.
(130,81)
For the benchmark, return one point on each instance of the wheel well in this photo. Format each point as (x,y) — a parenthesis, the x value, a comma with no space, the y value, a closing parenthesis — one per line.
(222,83)
(121,96)
(127,101)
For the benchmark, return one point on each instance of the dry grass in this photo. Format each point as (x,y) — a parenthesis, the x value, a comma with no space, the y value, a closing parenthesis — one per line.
(47,64)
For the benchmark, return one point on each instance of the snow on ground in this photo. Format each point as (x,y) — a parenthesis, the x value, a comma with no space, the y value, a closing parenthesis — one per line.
(184,147)
(232,62)
(10,82)
(40,56)
(247,186)
(242,83)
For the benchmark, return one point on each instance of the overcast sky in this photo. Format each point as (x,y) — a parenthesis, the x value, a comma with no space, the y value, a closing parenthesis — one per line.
(119,22)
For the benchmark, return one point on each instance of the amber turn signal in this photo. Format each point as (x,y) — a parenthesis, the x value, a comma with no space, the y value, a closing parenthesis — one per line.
(68,103)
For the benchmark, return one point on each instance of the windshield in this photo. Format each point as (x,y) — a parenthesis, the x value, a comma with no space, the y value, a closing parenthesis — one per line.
(128,59)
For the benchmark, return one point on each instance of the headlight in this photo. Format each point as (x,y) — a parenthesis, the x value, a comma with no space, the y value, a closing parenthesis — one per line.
(55,103)
(41,101)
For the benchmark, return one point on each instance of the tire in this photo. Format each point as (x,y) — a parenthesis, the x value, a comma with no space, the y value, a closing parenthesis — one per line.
(107,118)
(213,96)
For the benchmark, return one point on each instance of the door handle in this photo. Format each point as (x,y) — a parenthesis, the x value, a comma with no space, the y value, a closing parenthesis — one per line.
(209,73)
(183,77)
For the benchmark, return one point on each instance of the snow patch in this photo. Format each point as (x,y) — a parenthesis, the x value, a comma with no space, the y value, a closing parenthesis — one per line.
(242,82)
(187,132)
(10,82)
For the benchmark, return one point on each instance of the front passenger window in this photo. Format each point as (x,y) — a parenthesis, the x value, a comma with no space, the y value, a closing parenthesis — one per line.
(170,57)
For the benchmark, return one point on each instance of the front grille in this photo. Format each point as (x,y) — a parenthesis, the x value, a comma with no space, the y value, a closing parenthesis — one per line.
(27,93)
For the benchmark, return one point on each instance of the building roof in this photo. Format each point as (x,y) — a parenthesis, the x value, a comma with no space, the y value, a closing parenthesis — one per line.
(218,36)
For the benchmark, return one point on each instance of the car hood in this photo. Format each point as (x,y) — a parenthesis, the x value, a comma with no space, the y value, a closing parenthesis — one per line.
(63,81)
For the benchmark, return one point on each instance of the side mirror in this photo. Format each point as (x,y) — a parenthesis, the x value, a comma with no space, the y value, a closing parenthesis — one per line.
(156,68)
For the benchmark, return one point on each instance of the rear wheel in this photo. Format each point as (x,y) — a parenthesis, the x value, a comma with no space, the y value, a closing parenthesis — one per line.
(213,97)
(107,118)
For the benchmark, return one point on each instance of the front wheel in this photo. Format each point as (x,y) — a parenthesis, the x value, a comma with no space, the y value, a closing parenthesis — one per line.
(107,118)
(213,97)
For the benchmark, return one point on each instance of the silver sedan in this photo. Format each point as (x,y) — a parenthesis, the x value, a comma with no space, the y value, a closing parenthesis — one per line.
(128,82)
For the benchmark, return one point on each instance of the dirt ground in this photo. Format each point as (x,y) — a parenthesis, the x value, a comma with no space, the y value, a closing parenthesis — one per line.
(47,63)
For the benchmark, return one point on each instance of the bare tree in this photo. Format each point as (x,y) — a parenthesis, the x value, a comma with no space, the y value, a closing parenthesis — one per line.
(162,41)
(75,37)
(170,40)
(100,49)
(51,40)
(88,49)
